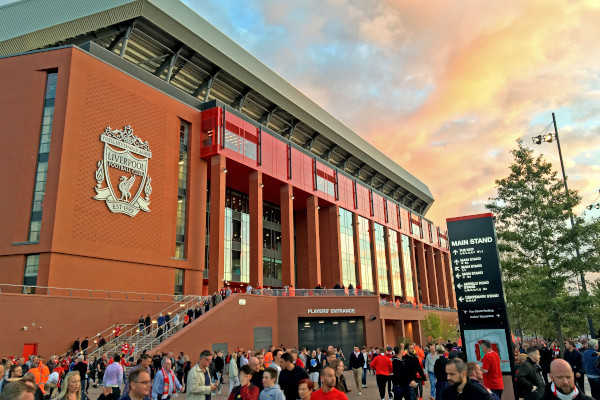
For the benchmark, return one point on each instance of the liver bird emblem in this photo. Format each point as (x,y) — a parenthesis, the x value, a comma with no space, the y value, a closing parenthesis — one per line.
(125,185)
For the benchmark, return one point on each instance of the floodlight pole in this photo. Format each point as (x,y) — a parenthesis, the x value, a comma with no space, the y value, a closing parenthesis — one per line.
(581,274)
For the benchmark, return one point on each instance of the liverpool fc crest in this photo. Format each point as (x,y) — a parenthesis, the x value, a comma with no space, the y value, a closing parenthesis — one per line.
(125,165)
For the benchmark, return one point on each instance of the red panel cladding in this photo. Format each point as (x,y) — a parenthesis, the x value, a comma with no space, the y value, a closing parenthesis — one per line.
(346,192)
(404,220)
(274,156)
(211,124)
(378,209)
(302,171)
(362,194)
(392,215)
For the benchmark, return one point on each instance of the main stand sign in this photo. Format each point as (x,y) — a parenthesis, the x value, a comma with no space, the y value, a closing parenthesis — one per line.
(478,287)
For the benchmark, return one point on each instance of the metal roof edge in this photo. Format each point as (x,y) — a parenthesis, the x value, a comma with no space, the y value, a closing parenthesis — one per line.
(197,33)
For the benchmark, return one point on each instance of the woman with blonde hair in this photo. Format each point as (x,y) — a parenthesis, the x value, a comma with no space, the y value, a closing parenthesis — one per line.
(70,388)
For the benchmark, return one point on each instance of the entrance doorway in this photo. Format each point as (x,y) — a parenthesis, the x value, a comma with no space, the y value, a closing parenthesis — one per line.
(340,332)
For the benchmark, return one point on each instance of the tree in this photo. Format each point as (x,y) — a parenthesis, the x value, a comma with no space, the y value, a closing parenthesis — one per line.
(438,328)
(537,245)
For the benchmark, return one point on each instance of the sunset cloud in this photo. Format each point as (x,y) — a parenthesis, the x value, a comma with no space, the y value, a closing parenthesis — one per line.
(455,84)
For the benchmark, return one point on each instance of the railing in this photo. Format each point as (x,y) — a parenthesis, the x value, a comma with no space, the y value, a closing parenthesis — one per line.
(89,293)
(134,333)
(416,306)
(291,292)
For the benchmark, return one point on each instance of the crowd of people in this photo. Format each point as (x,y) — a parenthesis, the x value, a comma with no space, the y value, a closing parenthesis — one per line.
(542,371)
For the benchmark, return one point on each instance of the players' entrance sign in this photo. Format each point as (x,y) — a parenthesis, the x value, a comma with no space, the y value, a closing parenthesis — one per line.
(478,286)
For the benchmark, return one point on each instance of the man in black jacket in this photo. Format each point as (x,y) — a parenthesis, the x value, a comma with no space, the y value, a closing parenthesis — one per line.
(407,373)
(530,382)
(289,376)
(460,386)
(575,360)
(357,362)
(563,383)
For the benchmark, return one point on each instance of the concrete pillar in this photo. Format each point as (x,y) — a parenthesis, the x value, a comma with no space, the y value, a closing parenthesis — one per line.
(359,281)
(441,278)
(449,281)
(196,235)
(286,205)
(313,242)
(331,259)
(420,258)
(374,258)
(388,262)
(217,223)
(431,275)
(255,198)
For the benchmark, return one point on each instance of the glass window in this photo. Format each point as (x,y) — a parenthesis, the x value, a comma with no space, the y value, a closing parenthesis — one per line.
(237,229)
(184,130)
(366,263)
(42,160)
(325,186)
(32,263)
(382,276)
(347,248)
(407,264)
(179,274)
(395,263)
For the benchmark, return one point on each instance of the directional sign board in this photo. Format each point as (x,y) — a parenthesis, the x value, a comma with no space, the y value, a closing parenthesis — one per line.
(478,287)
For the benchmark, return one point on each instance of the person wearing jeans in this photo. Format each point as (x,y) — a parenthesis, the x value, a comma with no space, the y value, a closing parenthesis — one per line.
(365,367)
(430,360)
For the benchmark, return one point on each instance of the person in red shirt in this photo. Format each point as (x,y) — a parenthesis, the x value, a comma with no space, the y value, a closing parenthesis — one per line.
(492,374)
(382,364)
(328,390)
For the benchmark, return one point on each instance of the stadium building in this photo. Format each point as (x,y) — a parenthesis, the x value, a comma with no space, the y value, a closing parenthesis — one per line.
(145,151)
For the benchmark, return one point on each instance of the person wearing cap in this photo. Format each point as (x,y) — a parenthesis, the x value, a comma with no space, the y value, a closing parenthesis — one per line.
(382,364)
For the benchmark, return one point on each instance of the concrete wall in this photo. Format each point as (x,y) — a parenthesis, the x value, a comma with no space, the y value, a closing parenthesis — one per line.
(59,319)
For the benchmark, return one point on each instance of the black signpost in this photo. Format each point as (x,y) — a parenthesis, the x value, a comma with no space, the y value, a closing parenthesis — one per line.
(478,285)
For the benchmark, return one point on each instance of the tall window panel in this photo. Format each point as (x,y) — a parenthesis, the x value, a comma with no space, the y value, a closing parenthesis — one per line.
(395,262)
(237,237)
(366,263)
(406,261)
(271,245)
(184,133)
(347,248)
(41,174)
(32,264)
(179,281)
(382,276)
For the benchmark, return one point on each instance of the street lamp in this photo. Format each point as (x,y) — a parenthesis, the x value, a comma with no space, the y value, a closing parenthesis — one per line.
(548,137)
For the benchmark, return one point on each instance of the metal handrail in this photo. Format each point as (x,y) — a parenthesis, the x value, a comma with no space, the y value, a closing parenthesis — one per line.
(90,292)
(134,332)
(291,292)
(94,339)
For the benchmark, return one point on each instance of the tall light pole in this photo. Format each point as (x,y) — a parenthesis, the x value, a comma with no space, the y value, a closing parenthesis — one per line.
(548,138)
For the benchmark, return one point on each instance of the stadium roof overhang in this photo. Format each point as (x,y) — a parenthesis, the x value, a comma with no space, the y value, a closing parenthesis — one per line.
(177,46)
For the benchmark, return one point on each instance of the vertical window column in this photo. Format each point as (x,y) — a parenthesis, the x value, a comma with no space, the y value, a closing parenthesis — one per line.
(407,266)
(366,262)
(347,248)
(395,263)
(182,182)
(382,276)
(179,281)
(41,174)
(32,264)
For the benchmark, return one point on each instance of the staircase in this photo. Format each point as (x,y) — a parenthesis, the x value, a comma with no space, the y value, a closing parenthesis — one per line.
(142,339)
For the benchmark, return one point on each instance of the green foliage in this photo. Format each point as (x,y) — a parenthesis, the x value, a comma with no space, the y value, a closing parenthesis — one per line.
(438,329)
(537,248)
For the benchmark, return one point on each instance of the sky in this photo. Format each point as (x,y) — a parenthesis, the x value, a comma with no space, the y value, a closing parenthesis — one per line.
(443,88)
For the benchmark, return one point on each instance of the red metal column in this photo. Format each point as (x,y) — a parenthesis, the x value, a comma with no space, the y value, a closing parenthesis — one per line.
(419,251)
(313,248)
(217,223)
(374,258)
(431,275)
(331,256)
(287,235)
(449,282)
(255,197)
(388,263)
(441,278)
(196,237)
